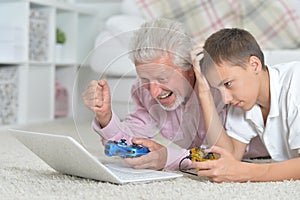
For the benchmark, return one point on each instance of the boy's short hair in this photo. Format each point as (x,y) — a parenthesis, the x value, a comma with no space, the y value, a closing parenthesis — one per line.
(232,45)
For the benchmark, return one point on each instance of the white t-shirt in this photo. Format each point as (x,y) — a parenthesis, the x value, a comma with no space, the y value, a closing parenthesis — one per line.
(281,134)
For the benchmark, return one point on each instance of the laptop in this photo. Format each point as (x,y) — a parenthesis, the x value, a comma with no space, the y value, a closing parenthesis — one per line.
(67,156)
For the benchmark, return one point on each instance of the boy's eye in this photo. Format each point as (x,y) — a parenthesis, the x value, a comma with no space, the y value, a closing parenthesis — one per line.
(228,84)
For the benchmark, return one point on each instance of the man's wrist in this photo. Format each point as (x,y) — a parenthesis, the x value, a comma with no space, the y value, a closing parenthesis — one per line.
(104,121)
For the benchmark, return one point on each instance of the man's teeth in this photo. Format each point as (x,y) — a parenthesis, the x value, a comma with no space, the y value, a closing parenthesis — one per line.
(165,95)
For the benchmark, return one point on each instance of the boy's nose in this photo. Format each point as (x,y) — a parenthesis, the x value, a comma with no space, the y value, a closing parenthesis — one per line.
(227,97)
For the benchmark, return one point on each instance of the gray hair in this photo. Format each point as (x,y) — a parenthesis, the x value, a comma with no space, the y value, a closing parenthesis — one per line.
(159,38)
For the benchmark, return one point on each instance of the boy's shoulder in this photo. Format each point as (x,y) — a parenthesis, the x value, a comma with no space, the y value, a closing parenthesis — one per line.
(287,66)
(285,78)
(286,71)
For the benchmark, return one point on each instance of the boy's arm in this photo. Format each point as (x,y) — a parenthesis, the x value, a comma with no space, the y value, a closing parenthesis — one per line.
(284,170)
(216,134)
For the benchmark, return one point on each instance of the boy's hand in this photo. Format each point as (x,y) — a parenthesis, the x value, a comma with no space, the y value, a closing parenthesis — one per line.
(225,169)
(201,82)
(97,98)
(156,159)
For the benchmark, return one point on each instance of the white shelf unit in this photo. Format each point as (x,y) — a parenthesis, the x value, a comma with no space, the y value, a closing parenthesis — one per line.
(33,52)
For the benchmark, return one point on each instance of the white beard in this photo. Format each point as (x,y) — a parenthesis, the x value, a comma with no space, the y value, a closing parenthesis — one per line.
(179,100)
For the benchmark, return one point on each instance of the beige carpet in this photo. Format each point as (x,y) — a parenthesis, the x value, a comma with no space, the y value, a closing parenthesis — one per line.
(24,176)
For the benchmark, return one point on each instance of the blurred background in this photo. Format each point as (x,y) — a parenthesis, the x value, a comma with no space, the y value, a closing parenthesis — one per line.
(50,50)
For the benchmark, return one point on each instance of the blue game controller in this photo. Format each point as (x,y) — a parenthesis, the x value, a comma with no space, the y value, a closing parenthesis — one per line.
(114,148)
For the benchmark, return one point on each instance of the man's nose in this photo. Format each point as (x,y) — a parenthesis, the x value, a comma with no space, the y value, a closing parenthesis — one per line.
(154,89)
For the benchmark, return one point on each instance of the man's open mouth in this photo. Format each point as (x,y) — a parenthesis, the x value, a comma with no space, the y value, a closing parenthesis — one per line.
(166,95)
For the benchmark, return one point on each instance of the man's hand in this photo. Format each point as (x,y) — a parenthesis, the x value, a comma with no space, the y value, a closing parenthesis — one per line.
(224,169)
(156,159)
(97,98)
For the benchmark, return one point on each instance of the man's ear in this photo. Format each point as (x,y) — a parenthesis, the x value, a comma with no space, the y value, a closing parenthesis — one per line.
(255,64)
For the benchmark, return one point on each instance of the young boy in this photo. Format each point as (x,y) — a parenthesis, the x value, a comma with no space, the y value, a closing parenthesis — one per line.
(264,101)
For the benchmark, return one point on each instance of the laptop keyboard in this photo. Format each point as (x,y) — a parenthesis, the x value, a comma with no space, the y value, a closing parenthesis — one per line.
(130,174)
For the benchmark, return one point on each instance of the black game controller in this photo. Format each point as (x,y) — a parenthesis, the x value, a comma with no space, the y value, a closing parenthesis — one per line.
(114,148)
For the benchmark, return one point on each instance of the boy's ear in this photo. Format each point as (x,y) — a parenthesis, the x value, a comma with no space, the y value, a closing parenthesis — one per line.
(255,64)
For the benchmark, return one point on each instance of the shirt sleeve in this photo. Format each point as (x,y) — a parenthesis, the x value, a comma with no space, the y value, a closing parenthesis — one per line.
(237,127)
(111,130)
(294,119)
(175,156)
